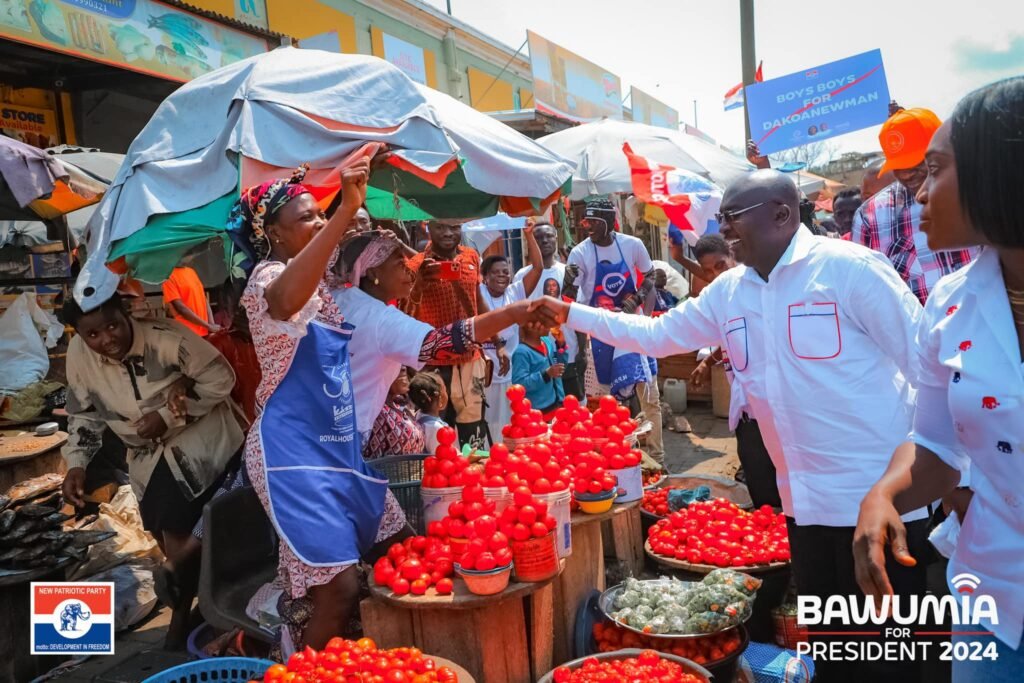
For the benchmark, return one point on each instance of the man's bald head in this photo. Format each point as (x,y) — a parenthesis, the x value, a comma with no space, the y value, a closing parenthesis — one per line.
(760,214)
(767,185)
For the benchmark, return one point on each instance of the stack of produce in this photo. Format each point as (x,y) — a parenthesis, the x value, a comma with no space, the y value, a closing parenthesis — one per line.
(32,533)
(652,478)
(486,547)
(462,512)
(416,564)
(527,422)
(719,533)
(591,476)
(671,607)
(526,518)
(359,660)
(538,467)
(705,650)
(446,467)
(647,666)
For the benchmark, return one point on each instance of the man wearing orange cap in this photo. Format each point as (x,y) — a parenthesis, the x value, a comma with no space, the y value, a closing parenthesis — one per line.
(890,221)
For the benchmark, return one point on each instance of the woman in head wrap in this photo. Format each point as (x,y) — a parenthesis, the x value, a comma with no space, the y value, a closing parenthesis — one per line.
(303,452)
(373,273)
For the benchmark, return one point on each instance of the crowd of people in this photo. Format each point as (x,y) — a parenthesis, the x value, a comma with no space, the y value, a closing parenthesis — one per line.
(350,344)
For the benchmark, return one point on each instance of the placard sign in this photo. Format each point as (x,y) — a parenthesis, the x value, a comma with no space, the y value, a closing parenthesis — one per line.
(828,100)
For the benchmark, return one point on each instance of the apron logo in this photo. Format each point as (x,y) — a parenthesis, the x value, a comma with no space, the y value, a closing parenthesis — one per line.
(341,375)
(613,284)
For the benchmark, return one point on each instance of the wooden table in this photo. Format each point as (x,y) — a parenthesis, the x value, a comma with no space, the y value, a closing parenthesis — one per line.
(619,528)
(24,455)
(504,638)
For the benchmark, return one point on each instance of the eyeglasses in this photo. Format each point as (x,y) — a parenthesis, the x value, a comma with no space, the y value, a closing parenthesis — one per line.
(593,223)
(729,216)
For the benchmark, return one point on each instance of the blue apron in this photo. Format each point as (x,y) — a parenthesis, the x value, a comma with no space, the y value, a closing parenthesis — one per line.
(325,501)
(621,370)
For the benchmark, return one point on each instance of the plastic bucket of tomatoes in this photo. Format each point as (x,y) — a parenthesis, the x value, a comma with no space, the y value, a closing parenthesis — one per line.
(645,665)
(437,500)
(559,507)
(535,559)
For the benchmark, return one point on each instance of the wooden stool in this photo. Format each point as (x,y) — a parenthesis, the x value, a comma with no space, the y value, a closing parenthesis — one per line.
(584,569)
(504,638)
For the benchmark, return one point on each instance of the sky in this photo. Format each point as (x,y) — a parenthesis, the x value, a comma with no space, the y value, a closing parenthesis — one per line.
(935,51)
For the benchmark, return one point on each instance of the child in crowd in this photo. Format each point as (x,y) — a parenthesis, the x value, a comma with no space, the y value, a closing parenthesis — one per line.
(538,364)
(428,394)
(664,300)
(395,430)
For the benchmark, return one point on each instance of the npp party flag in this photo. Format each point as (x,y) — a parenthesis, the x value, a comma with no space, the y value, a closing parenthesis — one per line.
(689,200)
(734,97)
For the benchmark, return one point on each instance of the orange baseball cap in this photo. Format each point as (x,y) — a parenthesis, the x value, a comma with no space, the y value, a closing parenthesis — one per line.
(905,137)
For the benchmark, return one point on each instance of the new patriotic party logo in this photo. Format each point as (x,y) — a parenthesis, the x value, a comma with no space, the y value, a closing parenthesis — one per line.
(72,618)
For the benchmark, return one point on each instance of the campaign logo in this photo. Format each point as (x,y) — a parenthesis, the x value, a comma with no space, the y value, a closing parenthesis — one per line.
(70,618)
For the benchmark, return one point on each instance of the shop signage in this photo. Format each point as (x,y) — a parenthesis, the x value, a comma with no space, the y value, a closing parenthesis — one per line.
(140,35)
(36,127)
(651,111)
(828,100)
(407,57)
(568,86)
(252,12)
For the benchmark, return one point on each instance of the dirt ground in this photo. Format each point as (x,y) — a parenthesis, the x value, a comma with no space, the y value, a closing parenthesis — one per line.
(709,449)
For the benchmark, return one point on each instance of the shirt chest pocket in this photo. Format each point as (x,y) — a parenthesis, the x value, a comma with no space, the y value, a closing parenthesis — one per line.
(736,343)
(814,331)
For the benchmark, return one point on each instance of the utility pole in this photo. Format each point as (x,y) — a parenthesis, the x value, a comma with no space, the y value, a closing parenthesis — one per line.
(695,114)
(449,3)
(747,53)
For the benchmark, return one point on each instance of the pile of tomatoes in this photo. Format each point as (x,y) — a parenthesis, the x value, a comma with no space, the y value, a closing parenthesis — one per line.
(415,565)
(591,474)
(652,478)
(648,666)
(717,532)
(463,512)
(542,467)
(705,650)
(359,661)
(526,420)
(575,425)
(446,467)
(656,501)
(486,548)
(526,518)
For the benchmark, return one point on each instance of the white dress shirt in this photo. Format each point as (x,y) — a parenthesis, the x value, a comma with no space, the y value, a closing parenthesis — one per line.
(820,352)
(970,412)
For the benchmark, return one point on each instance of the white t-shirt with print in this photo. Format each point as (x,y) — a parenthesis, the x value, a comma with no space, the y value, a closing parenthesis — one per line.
(513,293)
(586,254)
(384,339)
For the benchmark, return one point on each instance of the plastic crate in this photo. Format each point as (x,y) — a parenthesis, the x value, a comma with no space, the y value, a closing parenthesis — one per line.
(404,474)
(216,670)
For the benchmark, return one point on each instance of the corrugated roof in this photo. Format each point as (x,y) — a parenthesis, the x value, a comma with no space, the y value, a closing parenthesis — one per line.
(273,36)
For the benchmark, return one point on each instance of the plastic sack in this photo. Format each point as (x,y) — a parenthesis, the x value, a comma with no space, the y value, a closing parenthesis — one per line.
(132,543)
(134,593)
(23,357)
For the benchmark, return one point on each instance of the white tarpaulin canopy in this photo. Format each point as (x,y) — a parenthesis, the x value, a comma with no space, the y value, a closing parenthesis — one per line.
(602,168)
(293,106)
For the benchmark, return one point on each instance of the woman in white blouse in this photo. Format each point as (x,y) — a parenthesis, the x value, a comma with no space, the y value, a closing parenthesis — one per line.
(969,422)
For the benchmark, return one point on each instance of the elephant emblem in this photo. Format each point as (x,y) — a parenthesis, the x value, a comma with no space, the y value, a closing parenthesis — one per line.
(1004,447)
(989,403)
(70,615)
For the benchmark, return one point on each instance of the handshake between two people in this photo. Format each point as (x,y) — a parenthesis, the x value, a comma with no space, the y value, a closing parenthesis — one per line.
(540,315)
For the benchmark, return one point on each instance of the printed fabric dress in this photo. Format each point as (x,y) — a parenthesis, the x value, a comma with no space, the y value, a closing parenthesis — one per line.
(276,342)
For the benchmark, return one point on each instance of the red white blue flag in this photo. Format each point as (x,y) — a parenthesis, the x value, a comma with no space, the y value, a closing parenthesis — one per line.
(734,97)
(690,201)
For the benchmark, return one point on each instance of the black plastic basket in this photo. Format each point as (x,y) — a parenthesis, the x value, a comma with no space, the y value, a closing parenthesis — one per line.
(404,474)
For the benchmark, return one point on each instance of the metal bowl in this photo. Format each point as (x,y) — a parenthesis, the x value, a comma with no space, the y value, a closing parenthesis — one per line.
(688,666)
(607,605)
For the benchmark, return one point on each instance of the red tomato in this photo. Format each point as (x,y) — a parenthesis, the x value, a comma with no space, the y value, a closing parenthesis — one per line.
(516,392)
(444,587)
(418,587)
(485,562)
(399,586)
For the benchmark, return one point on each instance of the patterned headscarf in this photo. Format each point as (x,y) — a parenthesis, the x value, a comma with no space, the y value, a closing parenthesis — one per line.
(261,203)
(364,251)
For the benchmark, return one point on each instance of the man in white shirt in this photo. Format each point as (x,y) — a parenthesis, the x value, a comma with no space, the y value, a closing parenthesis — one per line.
(497,292)
(550,284)
(603,272)
(820,335)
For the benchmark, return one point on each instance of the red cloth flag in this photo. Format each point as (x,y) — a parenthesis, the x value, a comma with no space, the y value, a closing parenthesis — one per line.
(687,199)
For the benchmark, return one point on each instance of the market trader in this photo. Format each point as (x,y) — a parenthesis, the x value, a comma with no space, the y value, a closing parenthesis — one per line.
(820,335)
(602,272)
